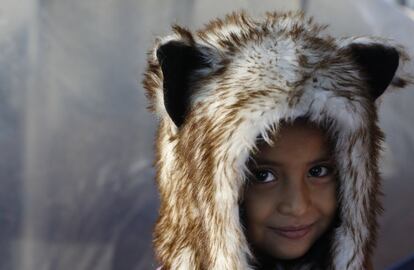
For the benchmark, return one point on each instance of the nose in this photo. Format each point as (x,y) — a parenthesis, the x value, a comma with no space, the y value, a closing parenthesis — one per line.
(295,200)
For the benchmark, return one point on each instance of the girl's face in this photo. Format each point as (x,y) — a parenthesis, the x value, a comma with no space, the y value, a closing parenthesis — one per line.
(291,198)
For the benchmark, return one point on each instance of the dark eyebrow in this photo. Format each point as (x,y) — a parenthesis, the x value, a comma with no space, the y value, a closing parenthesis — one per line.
(276,163)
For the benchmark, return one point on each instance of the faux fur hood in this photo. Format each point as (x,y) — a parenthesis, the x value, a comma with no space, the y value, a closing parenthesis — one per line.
(216,90)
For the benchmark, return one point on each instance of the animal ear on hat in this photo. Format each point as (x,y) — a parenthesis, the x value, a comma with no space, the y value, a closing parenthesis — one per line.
(378,63)
(182,62)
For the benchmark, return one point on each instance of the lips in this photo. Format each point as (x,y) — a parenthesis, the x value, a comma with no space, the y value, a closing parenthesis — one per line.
(292,232)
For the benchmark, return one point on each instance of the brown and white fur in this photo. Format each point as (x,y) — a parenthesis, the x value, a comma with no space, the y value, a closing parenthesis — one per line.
(216,90)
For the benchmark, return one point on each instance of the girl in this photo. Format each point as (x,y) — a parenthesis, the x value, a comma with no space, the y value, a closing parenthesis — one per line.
(268,144)
(290,203)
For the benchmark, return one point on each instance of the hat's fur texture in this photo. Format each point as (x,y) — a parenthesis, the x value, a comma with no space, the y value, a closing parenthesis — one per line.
(216,90)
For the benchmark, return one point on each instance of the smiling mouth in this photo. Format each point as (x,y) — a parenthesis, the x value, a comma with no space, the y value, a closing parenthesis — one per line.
(292,232)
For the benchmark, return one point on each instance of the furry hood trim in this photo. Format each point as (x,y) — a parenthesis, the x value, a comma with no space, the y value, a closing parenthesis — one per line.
(215,91)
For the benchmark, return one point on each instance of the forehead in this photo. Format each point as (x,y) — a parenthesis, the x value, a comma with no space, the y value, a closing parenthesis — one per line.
(300,139)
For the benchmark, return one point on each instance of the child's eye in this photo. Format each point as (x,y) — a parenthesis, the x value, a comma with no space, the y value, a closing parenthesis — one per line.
(319,171)
(264,176)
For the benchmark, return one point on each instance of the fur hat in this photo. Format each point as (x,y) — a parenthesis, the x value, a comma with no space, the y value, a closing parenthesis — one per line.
(216,90)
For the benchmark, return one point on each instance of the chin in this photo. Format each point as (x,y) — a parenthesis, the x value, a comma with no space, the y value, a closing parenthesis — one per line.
(290,254)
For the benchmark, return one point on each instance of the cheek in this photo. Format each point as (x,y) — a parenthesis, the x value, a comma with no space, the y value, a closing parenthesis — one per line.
(326,199)
(259,206)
